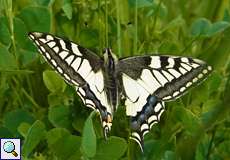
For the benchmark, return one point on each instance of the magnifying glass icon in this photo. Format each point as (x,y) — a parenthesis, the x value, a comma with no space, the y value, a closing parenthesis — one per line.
(9,147)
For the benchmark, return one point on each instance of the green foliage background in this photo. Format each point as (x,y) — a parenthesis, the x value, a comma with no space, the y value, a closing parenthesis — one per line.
(37,106)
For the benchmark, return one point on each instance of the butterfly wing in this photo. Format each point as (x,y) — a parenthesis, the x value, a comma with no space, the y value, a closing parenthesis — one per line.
(148,81)
(79,67)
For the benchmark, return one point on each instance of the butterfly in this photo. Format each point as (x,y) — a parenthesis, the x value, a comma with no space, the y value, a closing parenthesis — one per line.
(145,83)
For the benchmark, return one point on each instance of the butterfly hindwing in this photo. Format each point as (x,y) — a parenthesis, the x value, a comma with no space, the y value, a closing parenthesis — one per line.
(79,67)
(143,108)
(143,121)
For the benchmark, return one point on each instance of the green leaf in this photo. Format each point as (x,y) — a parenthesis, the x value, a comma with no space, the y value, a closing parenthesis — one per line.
(7,60)
(189,120)
(20,33)
(200,27)
(224,148)
(63,144)
(23,129)
(27,56)
(25,50)
(5,133)
(4,32)
(203,27)
(36,18)
(43,2)
(88,37)
(175,23)
(35,134)
(55,134)
(217,28)
(53,81)
(202,147)
(226,17)
(214,82)
(208,107)
(123,12)
(59,116)
(13,119)
(169,155)
(55,99)
(140,3)
(67,28)
(67,8)
(167,47)
(113,149)
(159,10)
(89,137)
(78,123)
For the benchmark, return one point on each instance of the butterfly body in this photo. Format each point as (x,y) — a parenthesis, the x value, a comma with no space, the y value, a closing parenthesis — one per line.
(144,82)
(111,79)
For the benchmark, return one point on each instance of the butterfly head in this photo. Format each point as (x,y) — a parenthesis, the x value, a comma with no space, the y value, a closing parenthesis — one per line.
(109,56)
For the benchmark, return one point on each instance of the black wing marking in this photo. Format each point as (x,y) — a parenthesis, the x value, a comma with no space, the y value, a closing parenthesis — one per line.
(79,67)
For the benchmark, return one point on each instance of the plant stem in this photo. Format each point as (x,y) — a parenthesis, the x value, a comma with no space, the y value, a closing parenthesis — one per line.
(106,24)
(156,14)
(189,44)
(136,30)
(101,38)
(30,99)
(9,14)
(210,144)
(118,28)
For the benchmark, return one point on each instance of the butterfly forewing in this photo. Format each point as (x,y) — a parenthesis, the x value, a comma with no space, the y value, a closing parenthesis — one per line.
(79,67)
(70,60)
(163,76)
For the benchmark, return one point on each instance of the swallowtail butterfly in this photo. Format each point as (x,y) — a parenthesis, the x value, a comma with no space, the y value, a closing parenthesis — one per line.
(145,82)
